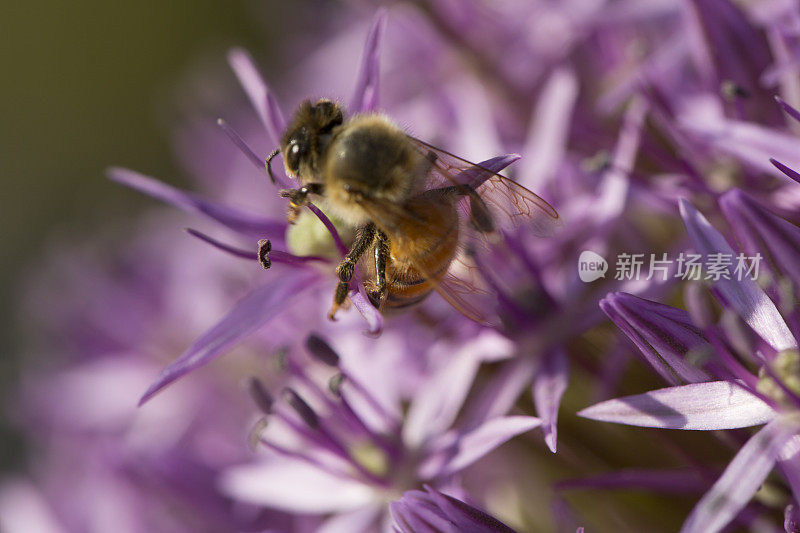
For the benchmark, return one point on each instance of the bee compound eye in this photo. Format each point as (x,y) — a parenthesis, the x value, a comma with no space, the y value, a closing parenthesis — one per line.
(293,156)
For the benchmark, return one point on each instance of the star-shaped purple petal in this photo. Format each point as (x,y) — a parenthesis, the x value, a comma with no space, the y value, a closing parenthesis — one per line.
(698,406)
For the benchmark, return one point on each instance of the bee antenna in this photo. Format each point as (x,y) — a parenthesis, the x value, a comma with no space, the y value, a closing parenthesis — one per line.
(269,164)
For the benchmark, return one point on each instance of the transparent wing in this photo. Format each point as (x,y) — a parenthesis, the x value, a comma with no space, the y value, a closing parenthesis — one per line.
(509,204)
(453,291)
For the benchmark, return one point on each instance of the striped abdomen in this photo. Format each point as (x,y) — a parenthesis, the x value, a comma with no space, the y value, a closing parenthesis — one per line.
(421,251)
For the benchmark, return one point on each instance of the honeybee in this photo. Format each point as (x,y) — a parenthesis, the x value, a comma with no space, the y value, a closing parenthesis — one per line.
(414,205)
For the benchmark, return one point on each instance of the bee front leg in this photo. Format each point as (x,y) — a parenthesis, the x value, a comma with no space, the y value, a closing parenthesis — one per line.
(299,198)
(346,269)
(381,258)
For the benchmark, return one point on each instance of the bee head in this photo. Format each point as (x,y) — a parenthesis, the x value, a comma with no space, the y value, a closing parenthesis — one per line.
(308,134)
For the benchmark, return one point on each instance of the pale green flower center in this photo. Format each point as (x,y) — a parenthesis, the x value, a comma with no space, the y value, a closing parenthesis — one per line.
(309,236)
(785,367)
(371,457)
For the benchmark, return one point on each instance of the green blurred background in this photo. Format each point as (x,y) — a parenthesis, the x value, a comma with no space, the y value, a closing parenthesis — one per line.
(85,85)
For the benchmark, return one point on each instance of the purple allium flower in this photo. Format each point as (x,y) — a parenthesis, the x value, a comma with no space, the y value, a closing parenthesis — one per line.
(350,450)
(618,109)
(677,349)
(433,512)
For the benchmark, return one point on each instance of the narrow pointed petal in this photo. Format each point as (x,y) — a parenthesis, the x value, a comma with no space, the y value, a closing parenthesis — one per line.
(337,239)
(663,334)
(751,143)
(227,248)
(789,463)
(547,136)
(786,170)
(365,95)
(476,443)
(477,175)
(660,65)
(728,45)
(791,111)
(548,388)
(698,406)
(435,406)
(295,486)
(247,316)
(240,143)
(372,316)
(275,256)
(362,519)
(762,231)
(235,219)
(501,392)
(614,187)
(740,481)
(744,296)
(258,92)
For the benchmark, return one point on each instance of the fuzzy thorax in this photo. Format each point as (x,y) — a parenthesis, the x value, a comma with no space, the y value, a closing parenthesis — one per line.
(369,158)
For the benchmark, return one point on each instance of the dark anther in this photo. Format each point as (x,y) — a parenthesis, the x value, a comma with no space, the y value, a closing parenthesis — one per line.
(260,395)
(335,384)
(599,162)
(301,407)
(264,247)
(732,90)
(321,350)
(282,358)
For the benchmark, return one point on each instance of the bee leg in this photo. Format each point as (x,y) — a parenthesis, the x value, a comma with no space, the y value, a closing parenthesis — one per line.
(381,258)
(299,198)
(480,218)
(346,269)
(339,297)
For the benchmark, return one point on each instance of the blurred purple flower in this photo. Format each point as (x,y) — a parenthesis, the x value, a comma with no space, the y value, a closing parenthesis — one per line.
(762,232)
(343,451)
(138,470)
(541,300)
